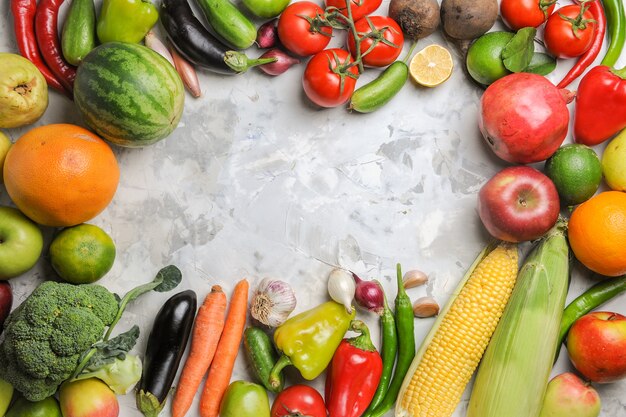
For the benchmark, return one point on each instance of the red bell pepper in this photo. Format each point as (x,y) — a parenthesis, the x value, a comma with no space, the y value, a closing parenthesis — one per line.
(353,375)
(600,105)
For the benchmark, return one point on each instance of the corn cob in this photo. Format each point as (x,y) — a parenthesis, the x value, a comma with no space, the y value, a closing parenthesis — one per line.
(513,375)
(450,353)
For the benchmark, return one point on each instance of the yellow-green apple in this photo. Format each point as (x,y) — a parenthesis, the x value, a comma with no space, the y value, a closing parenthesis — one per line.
(518,204)
(48,407)
(5,144)
(569,396)
(6,302)
(23,91)
(88,398)
(596,344)
(6,393)
(21,243)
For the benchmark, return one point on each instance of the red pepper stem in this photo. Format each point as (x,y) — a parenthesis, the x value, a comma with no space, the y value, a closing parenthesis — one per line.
(619,72)
(274,378)
(363,341)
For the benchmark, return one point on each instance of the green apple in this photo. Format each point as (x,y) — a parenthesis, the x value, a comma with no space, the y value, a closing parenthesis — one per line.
(21,243)
(568,396)
(44,408)
(6,393)
(5,144)
(23,91)
(245,399)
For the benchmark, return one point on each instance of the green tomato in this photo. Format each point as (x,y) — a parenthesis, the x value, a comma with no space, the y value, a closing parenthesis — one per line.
(6,393)
(266,8)
(44,408)
(245,399)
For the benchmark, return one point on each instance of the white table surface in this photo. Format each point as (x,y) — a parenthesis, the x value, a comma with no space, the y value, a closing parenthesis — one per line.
(256,181)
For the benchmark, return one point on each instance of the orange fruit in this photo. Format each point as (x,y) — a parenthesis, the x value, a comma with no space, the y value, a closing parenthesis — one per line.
(597,233)
(61,174)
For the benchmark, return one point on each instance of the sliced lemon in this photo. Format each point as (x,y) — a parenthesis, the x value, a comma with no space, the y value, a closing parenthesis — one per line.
(431,66)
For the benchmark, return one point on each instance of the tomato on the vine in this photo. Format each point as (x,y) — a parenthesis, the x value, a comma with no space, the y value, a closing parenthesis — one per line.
(359,8)
(384,34)
(569,31)
(299,400)
(519,14)
(301,31)
(330,77)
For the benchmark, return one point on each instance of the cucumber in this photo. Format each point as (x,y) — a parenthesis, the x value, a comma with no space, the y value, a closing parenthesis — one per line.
(262,356)
(229,23)
(379,92)
(78,37)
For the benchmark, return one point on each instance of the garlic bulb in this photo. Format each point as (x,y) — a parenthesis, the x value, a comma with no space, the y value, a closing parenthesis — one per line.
(341,287)
(272,302)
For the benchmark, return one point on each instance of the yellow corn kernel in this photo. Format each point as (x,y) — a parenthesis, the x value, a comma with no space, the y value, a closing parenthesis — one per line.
(451,352)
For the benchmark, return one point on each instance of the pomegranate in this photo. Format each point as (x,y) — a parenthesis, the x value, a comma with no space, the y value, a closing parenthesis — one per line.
(524,117)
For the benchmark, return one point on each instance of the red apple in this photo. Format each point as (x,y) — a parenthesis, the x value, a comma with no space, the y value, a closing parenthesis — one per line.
(596,344)
(88,398)
(569,396)
(518,204)
(6,301)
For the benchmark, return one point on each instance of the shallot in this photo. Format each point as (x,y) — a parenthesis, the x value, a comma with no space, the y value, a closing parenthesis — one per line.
(267,35)
(154,43)
(187,73)
(369,295)
(283,62)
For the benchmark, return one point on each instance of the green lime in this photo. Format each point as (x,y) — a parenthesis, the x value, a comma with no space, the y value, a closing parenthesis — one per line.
(484,57)
(613,166)
(82,254)
(576,171)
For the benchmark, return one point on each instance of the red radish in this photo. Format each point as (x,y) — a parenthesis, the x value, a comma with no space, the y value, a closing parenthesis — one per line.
(283,62)
(524,118)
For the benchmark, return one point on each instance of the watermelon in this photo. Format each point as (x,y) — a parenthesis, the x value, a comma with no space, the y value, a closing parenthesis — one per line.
(129,94)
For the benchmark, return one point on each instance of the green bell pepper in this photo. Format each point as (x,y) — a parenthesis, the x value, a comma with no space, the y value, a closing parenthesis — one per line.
(309,339)
(126,20)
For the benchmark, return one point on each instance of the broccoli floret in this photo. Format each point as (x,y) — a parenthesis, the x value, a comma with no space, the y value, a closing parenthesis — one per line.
(45,337)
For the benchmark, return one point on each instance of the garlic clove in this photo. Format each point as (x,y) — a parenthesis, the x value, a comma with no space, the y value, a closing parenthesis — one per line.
(414,278)
(272,302)
(425,307)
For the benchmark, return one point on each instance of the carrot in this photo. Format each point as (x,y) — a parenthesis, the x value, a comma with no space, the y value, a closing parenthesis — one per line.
(206,335)
(227,349)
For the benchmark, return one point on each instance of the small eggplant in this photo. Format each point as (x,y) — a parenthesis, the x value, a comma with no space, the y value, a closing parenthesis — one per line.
(166,345)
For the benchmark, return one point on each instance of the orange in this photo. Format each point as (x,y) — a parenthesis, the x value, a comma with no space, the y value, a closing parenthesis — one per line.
(597,233)
(61,174)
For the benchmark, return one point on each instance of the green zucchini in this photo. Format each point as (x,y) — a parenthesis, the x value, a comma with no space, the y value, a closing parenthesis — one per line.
(262,356)
(78,37)
(229,23)
(379,92)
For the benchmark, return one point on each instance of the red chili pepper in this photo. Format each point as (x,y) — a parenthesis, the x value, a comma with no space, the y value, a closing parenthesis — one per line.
(588,57)
(353,375)
(46,30)
(600,105)
(24,22)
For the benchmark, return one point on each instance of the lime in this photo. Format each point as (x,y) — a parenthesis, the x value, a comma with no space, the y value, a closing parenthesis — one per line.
(576,172)
(82,254)
(5,144)
(613,166)
(431,66)
(484,57)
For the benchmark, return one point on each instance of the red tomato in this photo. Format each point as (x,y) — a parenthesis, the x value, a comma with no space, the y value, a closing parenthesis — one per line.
(326,81)
(519,14)
(381,29)
(569,39)
(295,31)
(299,400)
(359,8)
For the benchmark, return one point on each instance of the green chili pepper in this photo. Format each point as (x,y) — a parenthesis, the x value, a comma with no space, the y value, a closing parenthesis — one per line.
(126,20)
(616,18)
(589,300)
(309,340)
(388,352)
(406,345)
